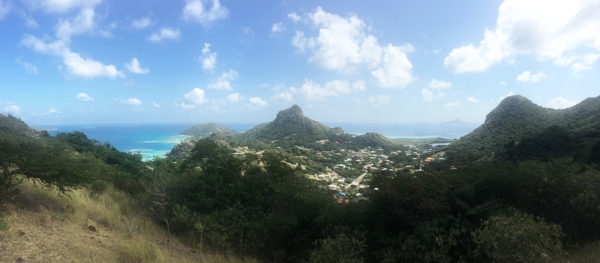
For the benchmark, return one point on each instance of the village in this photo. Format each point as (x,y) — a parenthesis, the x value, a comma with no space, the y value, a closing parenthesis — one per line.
(348,171)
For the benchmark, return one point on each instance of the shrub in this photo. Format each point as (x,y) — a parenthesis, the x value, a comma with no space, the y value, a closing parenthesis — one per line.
(517,238)
(341,248)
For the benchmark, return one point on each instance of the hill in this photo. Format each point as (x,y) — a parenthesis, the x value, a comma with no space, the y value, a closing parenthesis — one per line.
(206,129)
(291,128)
(519,129)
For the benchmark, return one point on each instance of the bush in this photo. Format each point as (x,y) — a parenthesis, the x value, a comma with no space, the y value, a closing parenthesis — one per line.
(517,238)
(341,248)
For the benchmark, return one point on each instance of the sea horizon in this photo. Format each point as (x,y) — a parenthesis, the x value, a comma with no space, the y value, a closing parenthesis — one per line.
(156,140)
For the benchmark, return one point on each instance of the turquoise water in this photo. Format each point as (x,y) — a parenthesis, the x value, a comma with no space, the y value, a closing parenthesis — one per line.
(156,140)
(150,140)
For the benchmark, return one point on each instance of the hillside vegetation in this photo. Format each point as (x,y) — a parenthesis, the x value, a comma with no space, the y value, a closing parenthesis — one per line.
(484,203)
(519,129)
(203,130)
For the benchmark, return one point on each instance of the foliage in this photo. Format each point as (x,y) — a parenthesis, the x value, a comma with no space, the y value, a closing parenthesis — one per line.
(517,238)
(343,248)
(206,129)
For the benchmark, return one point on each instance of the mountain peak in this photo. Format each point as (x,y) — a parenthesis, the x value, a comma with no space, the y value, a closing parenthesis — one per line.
(292,113)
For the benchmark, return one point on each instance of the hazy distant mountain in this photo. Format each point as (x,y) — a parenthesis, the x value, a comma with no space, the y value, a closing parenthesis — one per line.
(519,129)
(207,129)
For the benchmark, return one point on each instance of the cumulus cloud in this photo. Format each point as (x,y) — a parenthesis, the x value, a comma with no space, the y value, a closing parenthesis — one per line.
(435,89)
(141,23)
(345,42)
(277,27)
(224,81)
(395,71)
(195,97)
(164,33)
(134,67)
(155,105)
(208,58)
(526,76)
(132,102)
(294,17)
(204,11)
(233,97)
(314,91)
(12,109)
(84,97)
(560,103)
(74,62)
(550,30)
(61,6)
(258,102)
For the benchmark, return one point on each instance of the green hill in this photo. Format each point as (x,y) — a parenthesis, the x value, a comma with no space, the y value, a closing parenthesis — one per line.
(518,129)
(207,129)
(291,128)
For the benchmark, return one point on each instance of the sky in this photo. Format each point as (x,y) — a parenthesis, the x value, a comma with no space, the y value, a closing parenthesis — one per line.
(194,61)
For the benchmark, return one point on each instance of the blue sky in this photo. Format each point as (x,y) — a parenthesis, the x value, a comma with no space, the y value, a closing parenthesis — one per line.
(192,61)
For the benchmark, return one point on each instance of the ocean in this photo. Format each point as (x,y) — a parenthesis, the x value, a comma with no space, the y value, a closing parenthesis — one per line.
(156,140)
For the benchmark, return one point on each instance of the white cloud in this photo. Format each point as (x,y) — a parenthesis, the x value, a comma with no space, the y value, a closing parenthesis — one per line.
(74,62)
(395,72)
(287,95)
(61,6)
(277,27)
(12,109)
(204,11)
(5,7)
(578,62)
(294,17)
(82,23)
(343,43)
(141,23)
(550,30)
(314,91)
(452,104)
(435,89)
(472,100)
(155,105)
(164,33)
(439,84)
(258,102)
(233,97)
(224,81)
(134,67)
(195,97)
(209,59)
(301,42)
(84,97)
(29,68)
(89,68)
(132,102)
(185,106)
(526,76)
(560,103)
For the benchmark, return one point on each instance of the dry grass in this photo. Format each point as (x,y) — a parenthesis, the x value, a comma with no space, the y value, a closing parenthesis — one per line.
(43,226)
